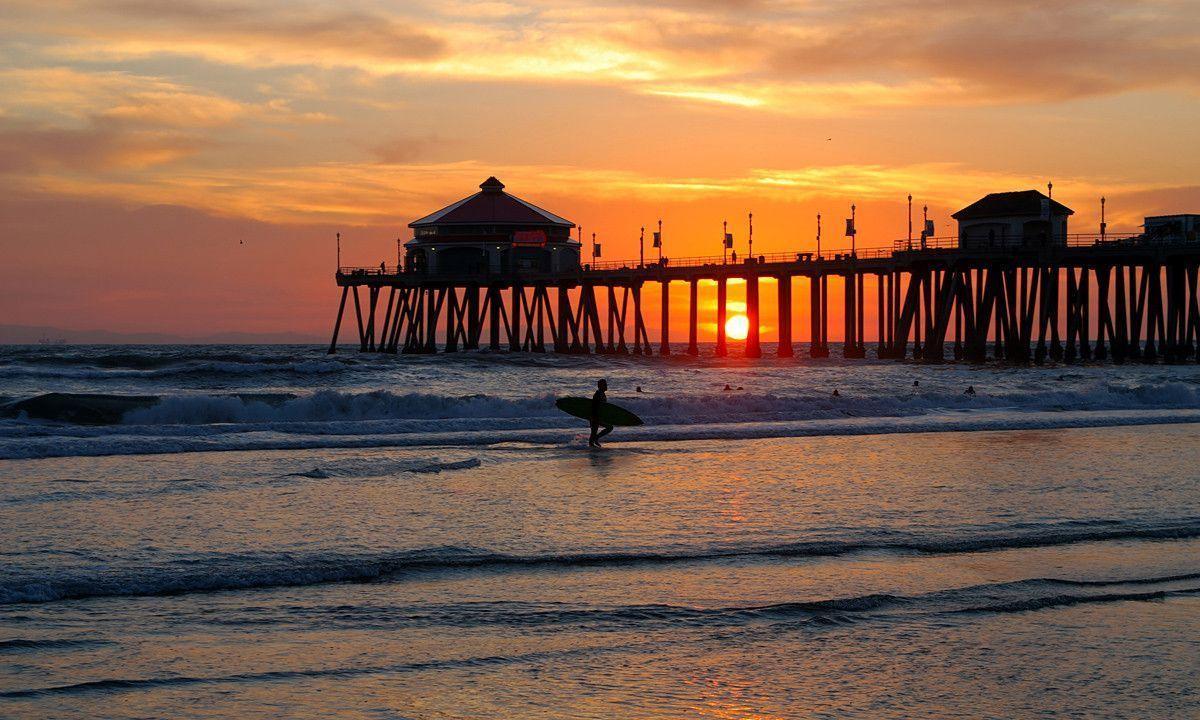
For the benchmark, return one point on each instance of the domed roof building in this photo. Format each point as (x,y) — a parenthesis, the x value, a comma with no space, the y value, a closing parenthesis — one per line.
(491,232)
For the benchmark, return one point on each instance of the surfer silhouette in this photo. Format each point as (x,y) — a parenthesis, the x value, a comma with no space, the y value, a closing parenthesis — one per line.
(598,400)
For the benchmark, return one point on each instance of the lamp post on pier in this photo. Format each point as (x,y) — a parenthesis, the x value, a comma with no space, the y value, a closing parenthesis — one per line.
(642,248)
(852,231)
(1103,224)
(750,251)
(910,221)
(925,231)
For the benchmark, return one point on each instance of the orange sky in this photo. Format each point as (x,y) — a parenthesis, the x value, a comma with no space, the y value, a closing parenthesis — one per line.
(182,166)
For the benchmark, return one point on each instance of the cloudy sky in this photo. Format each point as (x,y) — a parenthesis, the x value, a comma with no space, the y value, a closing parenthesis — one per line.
(183,166)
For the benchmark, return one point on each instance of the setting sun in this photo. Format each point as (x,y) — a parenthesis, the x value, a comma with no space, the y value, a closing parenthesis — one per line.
(737,326)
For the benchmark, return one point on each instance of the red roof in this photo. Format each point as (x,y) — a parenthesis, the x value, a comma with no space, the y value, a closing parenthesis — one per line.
(492,206)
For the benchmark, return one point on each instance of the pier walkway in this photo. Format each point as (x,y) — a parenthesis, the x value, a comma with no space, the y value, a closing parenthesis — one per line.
(1089,297)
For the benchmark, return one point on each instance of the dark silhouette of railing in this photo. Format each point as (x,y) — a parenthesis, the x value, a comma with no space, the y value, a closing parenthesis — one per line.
(1029,298)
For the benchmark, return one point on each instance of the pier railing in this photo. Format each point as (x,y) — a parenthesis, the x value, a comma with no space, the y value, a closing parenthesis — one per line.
(1018,299)
(898,247)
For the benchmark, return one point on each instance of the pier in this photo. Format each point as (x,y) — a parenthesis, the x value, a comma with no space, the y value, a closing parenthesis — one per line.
(1126,298)
(492,270)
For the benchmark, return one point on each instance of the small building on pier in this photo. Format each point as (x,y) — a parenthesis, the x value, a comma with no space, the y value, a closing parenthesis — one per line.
(491,232)
(1026,218)
(1173,228)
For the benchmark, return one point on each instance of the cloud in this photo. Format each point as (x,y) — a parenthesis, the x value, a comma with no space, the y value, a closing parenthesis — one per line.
(400,150)
(798,57)
(1002,51)
(98,147)
(121,97)
(280,33)
(375,194)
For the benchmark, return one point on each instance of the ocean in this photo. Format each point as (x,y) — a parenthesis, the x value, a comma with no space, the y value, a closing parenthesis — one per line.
(270,531)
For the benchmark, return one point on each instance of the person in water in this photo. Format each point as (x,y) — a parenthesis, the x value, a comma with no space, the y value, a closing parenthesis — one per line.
(598,400)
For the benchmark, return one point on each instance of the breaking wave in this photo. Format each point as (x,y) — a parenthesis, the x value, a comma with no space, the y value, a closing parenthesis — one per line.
(332,406)
(215,572)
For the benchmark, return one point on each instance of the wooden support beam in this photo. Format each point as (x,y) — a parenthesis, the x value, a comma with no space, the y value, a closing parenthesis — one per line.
(373,299)
(880,333)
(664,329)
(337,323)
(908,319)
(474,317)
(860,349)
(1120,344)
(437,297)
(1085,313)
(721,297)
(849,316)
(593,312)
(495,309)
(693,315)
(641,338)
(362,335)
(753,346)
(784,297)
(814,321)
(453,320)
(515,309)
(893,343)
(387,320)
(562,339)
(825,315)
(1154,312)
(403,316)
(1137,308)
(1193,319)
(1072,315)
(414,339)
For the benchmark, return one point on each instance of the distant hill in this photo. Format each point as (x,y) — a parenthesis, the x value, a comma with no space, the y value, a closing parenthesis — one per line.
(32,334)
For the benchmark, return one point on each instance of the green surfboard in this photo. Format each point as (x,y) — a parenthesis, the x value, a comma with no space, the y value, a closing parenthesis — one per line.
(609,414)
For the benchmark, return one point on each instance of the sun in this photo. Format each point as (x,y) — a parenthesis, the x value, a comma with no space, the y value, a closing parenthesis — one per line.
(737,326)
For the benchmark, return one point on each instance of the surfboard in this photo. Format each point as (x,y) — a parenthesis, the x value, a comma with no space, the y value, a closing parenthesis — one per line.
(609,414)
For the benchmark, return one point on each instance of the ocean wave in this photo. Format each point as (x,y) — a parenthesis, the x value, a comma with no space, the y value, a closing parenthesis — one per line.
(192,369)
(990,598)
(325,406)
(216,572)
(1036,594)
(350,468)
(36,644)
(166,681)
(33,442)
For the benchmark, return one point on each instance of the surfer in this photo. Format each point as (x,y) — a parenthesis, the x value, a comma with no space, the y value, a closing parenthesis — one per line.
(598,400)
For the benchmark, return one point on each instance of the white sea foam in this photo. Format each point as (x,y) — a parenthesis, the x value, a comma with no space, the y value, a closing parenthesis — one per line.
(333,406)
(208,439)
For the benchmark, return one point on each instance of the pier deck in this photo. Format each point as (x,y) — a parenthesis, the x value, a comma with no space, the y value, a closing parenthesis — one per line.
(1090,297)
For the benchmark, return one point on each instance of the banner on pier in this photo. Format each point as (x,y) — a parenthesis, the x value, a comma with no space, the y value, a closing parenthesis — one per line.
(530,238)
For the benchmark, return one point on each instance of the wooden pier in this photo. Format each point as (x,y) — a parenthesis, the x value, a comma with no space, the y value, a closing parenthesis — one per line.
(1088,298)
